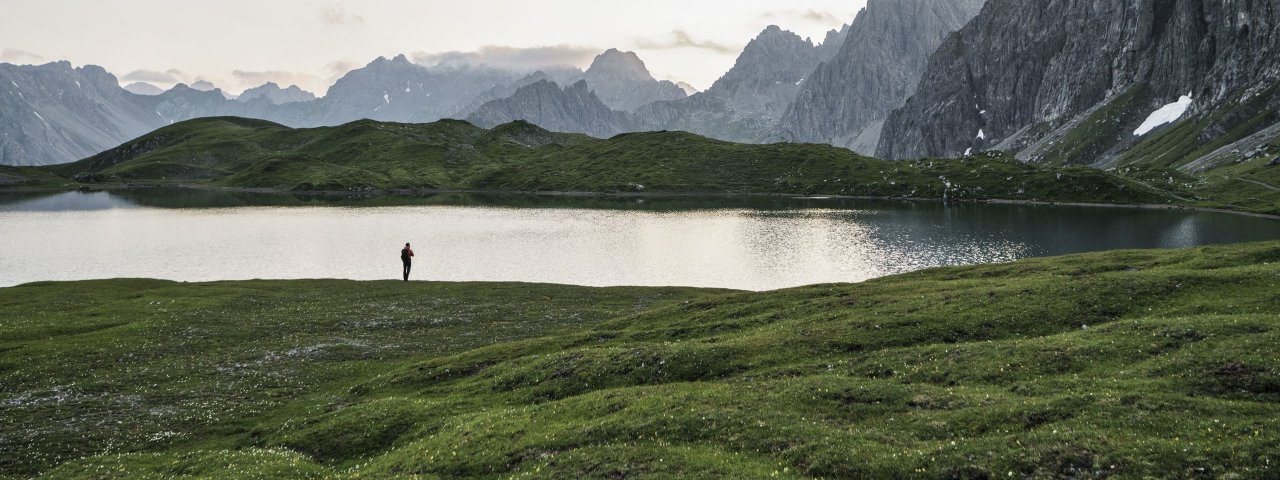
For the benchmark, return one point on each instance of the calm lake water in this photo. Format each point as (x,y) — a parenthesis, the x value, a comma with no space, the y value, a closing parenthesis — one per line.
(753,243)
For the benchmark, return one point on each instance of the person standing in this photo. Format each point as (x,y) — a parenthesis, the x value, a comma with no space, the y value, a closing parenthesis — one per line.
(406,257)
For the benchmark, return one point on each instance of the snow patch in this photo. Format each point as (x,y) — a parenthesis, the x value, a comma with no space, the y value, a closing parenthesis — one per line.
(78,84)
(386,97)
(15,84)
(1167,114)
(968,151)
(801,81)
(38,115)
(981,134)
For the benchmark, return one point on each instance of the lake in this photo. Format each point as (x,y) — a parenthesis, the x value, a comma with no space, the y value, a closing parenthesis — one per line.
(756,243)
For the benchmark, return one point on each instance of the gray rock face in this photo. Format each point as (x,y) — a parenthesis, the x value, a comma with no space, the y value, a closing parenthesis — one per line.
(768,74)
(54,113)
(746,103)
(559,76)
(143,88)
(573,109)
(272,92)
(845,100)
(621,81)
(398,90)
(1022,71)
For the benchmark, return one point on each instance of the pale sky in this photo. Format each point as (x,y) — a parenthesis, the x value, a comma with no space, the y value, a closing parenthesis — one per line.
(238,44)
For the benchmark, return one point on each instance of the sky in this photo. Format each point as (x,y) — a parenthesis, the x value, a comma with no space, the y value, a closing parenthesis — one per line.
(237,44)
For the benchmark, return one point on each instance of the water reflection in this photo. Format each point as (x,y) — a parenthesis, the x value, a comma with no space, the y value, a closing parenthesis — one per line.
(747,243)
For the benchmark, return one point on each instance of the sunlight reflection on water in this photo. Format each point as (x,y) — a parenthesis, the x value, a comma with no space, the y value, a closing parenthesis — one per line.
(739,248)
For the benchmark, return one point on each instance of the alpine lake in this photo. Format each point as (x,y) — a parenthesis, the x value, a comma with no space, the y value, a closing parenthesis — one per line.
(748,243)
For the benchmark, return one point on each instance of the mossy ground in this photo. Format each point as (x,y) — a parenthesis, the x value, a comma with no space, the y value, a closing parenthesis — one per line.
(1129,364)
(368,155)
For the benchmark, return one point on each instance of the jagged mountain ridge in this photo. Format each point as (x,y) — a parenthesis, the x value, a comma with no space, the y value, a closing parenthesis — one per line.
(878,65)
(1070,81)
(272,92)
(742,105)
(573,109)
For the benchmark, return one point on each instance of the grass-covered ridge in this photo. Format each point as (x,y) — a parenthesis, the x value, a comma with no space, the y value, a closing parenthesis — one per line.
(1123,364)
(450,154)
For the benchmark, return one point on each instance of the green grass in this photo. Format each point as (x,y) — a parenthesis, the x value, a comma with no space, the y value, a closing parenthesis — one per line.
(1101,131)
(1128,364)
(368,155)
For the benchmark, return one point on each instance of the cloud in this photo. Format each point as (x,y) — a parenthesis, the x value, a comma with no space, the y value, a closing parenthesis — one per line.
(337,16)
(282,77)
(531,58)
(811,16)
(17,55)
(152,76)
(681,39)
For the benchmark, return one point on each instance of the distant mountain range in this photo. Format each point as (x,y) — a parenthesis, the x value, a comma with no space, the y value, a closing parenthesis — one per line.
(615,94)
(1188,84)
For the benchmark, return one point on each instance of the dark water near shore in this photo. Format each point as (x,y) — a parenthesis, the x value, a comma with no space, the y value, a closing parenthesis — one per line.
(755,243)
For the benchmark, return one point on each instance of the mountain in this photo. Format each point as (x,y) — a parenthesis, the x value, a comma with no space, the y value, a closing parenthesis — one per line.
(519,156)
(845,100)
(558,75)
(573,109)
(1072,82)
(744,104)
(621,81)
(276,95)
(143,88)
(55,113)
(398,90)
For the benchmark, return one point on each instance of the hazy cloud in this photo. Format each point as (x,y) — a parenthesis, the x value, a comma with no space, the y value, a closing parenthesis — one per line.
(17,55)
(513,57)
(337,16)
(282,77)
(811,16)
(681,39)
(154,76)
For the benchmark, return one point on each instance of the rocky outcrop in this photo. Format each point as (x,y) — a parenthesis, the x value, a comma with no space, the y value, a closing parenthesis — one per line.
(746,103)
(621,81)
(1035,77)
(272,92)
(54,113)
(143,88)
(398,90)
(845,100)
(574,109)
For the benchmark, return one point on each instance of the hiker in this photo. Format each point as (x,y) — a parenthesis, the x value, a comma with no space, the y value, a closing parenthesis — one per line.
(406,256)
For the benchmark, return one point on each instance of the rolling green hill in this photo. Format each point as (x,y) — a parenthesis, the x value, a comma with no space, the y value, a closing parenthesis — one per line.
(1128,364)
(368,155)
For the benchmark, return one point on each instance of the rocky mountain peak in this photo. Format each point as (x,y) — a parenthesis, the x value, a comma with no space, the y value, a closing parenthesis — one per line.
(875,64)
(621,80)
(272,92)
(619,64)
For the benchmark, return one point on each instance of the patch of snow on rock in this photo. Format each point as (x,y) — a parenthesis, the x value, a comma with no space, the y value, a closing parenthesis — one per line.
(1167,114)
(981,135)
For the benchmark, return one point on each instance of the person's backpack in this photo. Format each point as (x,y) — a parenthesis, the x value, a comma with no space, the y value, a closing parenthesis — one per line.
(404,254)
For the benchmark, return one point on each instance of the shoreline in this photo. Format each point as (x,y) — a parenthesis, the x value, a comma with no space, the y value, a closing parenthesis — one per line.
(579,194)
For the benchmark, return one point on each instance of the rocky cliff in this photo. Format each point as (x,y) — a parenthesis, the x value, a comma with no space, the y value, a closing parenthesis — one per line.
(272,92)
(54,113)
(845,100)
(573,109)
(1071,81)
(621,81)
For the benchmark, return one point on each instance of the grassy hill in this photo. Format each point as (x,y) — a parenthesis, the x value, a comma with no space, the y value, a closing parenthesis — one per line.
(449,154)
(1129,364)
